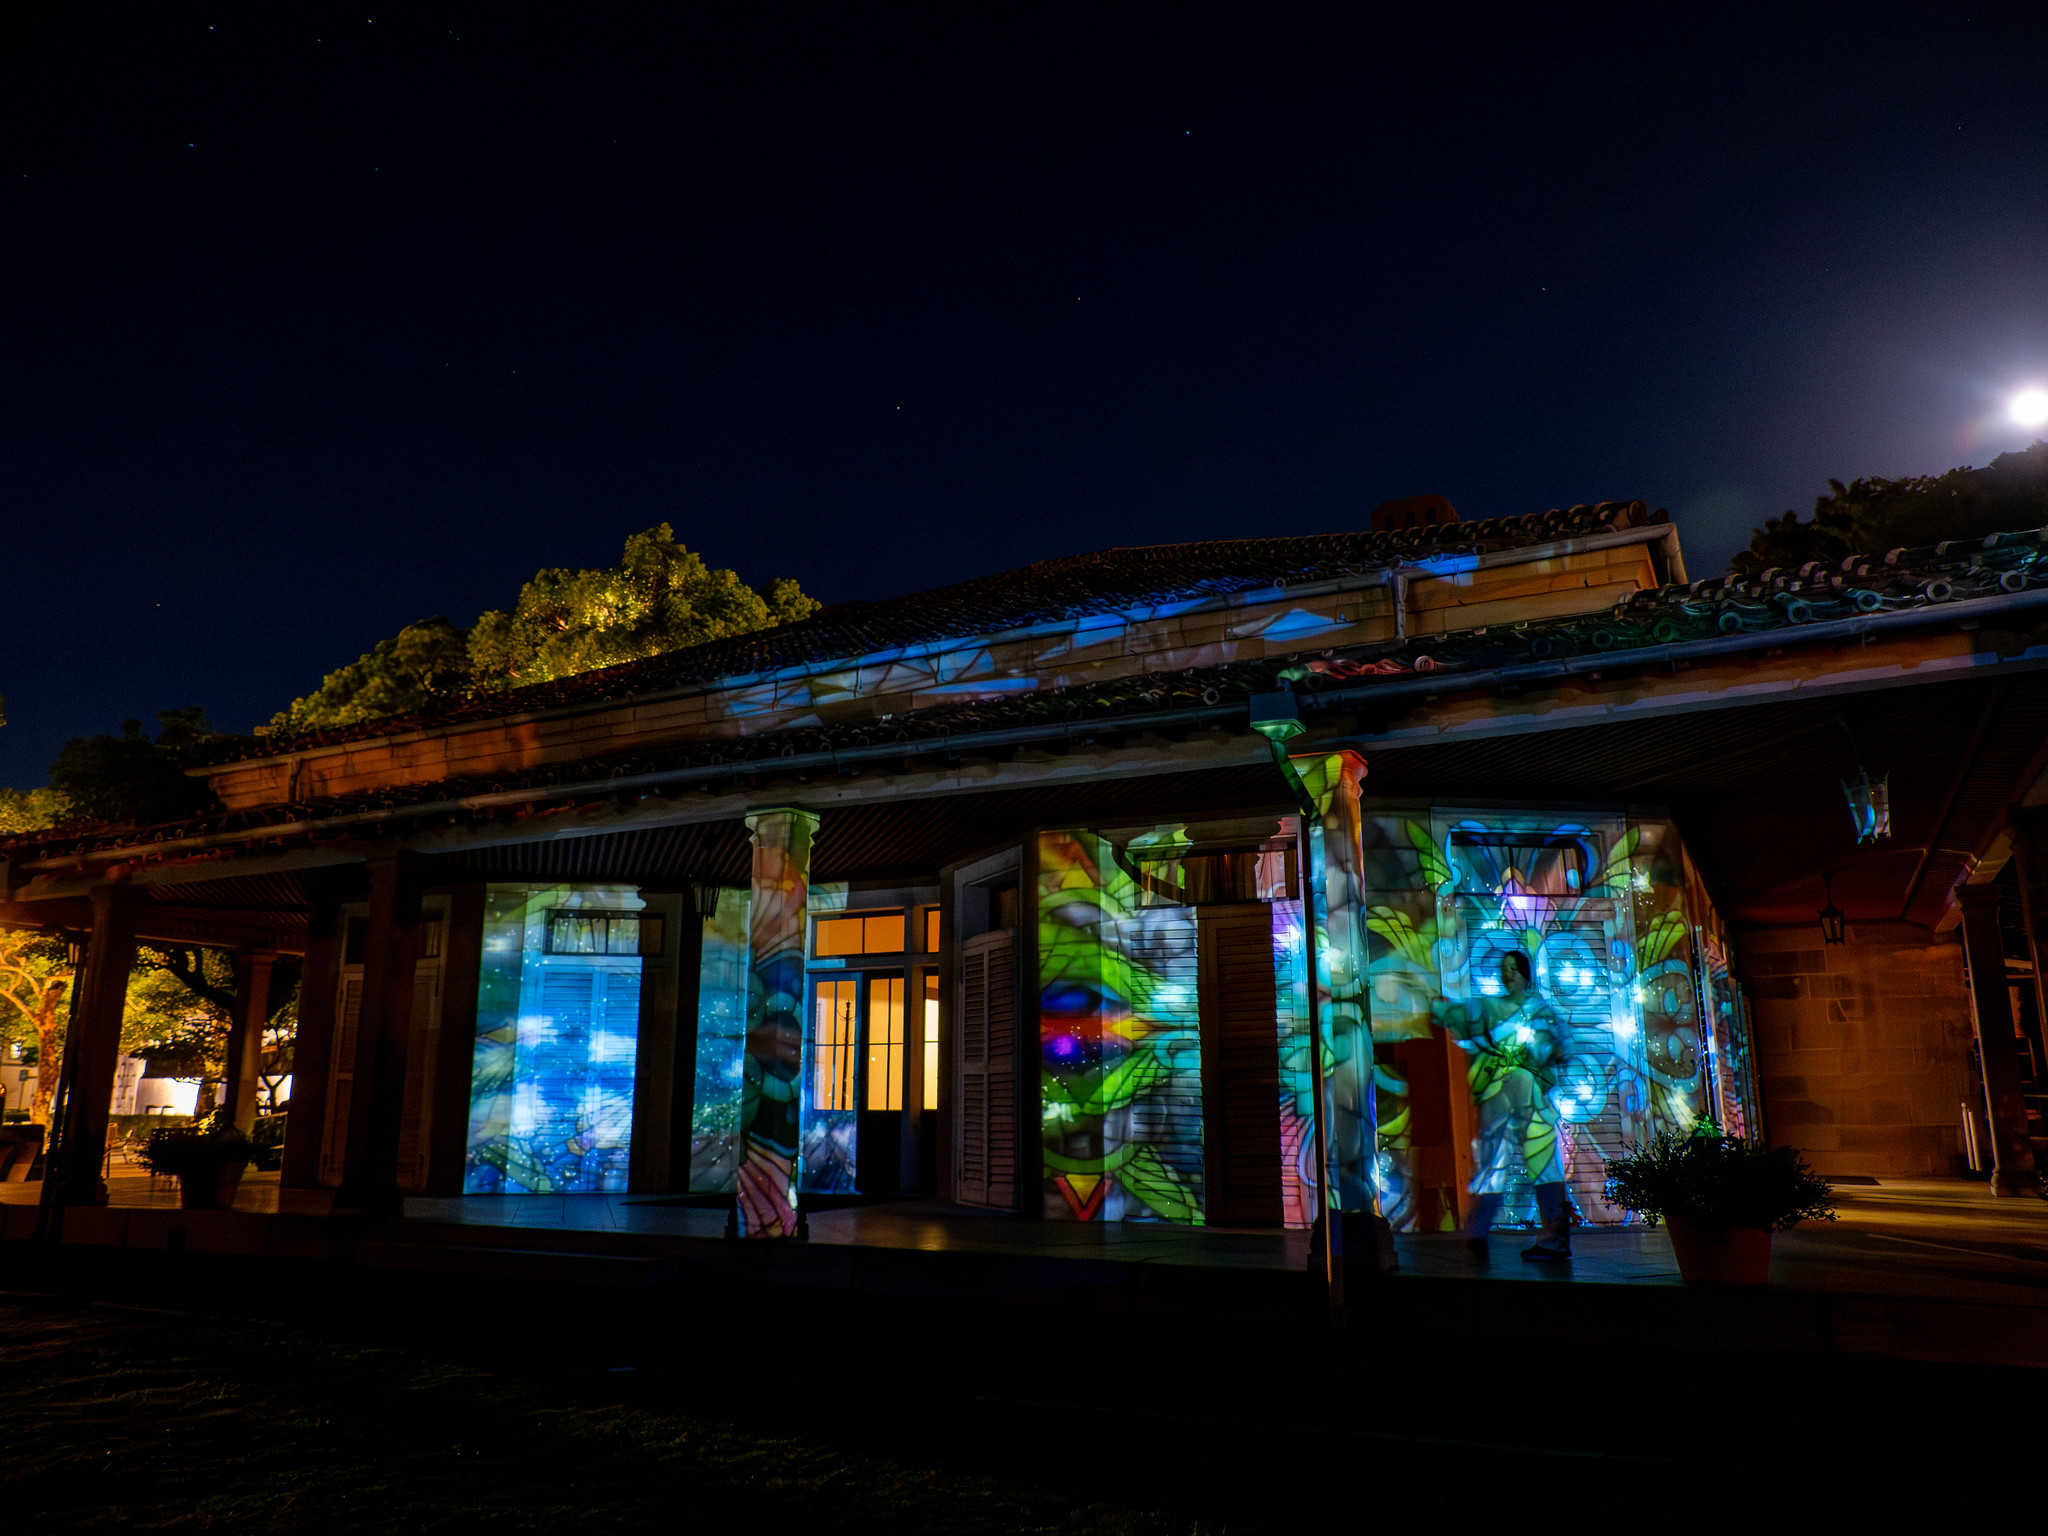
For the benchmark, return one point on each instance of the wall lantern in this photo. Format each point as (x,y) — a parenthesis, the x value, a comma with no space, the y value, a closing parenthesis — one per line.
(1870,805)
(707,900)
(1833,922)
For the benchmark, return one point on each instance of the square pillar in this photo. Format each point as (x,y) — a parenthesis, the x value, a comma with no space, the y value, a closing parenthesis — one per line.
(305,1125)
(376,1110)
(2012,1153)
(1336,910)
(771,1105)
(94,1046)
(253,971)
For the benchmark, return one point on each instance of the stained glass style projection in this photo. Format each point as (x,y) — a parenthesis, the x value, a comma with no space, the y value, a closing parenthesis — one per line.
(1120,1038)
(721,1046)
(771,1108)
(1536,988)
(1341,961)
(1297,1082)
(551,1093)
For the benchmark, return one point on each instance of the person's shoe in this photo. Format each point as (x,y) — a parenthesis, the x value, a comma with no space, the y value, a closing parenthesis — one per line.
(1478,1248)
(1548,1251)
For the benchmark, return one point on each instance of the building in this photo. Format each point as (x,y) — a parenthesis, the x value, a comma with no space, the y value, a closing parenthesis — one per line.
(1076,890)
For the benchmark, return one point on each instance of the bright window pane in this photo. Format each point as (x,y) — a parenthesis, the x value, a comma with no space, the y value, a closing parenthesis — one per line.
(884,934)
(832,1044)
(931,1036)
(839,936)
(885,1042)
(931,930)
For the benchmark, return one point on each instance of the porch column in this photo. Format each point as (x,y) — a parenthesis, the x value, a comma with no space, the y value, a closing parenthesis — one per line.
(1336,850)
(771,1105)
(245,1039)
(369,1167)
(2012,1154)
(312,1051)
(94,1046)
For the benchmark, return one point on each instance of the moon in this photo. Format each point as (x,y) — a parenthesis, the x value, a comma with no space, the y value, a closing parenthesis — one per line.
(2029,407)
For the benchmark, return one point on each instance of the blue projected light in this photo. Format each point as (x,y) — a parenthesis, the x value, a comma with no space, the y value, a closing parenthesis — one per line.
(551,1094)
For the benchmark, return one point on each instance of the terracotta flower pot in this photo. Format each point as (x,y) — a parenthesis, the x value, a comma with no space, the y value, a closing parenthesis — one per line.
(209,1189)
(1734,1256)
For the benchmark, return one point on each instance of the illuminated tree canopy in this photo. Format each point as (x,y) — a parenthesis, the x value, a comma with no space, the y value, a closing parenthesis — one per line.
(659,597)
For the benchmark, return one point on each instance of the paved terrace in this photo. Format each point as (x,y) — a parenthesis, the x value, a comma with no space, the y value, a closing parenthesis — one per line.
(1929,1269)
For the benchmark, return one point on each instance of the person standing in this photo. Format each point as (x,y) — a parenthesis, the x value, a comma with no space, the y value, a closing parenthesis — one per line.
(1519,1048)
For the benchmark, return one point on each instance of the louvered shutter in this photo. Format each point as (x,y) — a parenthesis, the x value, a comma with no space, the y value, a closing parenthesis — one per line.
(1241,1070)
(987,1080)
(341,1074)
(422,1051)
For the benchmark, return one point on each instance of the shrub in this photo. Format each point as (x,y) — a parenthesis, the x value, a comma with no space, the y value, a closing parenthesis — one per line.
(179,1150)
(1716,1181)
(266,1142)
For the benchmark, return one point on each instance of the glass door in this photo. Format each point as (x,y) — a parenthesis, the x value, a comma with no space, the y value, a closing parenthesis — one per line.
(885,1070)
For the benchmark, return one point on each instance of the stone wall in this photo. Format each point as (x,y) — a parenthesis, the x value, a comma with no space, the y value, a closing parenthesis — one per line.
(1863,1048)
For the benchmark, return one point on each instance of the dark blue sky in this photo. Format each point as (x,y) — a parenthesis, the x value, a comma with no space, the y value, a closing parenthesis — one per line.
(317,323)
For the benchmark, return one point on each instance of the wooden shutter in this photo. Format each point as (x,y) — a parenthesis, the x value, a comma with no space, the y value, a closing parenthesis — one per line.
(986,1163)
(341,1074)
(422,1058)
(1240,1066)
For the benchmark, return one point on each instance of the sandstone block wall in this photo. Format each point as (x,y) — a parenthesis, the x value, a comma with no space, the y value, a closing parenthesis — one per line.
(1864,1048)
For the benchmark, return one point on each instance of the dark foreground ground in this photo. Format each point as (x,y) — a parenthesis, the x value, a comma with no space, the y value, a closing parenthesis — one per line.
(173,1392)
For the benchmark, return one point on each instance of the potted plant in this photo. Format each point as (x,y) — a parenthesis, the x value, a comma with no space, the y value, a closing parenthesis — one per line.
(206,1159)
(1722,1197)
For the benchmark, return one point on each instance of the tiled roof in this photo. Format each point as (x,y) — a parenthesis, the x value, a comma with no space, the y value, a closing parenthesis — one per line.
(1072,586)
(1861,587)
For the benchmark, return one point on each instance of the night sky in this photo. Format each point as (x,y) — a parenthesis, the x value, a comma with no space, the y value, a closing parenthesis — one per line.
(320,322)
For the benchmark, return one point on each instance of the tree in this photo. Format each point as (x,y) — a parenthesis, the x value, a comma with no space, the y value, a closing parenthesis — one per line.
(30,810)
(181,1011)
(35,975)
(1868,517)
(130,778)
(659,597)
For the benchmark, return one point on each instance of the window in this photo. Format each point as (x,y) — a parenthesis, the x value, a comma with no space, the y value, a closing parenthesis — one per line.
(931,930)
(832,1043)
(860,933)
(585,931)
(931,1037)
(885,1042)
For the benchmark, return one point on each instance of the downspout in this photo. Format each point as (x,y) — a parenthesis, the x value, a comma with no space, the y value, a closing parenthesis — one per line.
(1277,717)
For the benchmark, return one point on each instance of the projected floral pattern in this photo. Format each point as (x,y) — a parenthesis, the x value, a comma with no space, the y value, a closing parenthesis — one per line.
(1606,1044)
(1120,1042)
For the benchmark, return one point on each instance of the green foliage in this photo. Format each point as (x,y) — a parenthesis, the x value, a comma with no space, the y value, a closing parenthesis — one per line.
(181,1151)
(266,1142)
(425,661)
(31,810)
(1717,1181)
(659,597)
(130,778)
(1868,517)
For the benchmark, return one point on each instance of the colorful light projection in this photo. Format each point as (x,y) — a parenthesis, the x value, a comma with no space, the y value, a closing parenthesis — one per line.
(715,1139)
(771,1095)
(1342,980)
(1120,1040)
(1297,1082)
(1603,1044)
(831,1118)
(551,1092)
